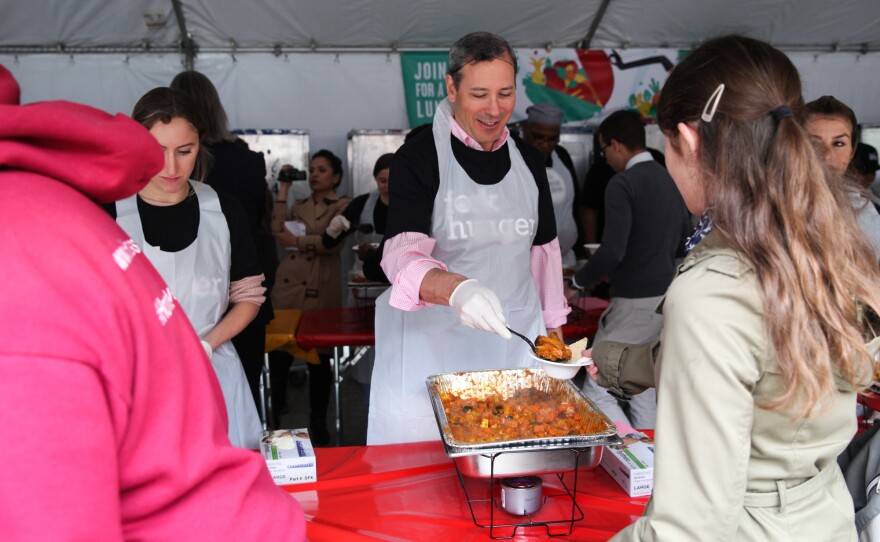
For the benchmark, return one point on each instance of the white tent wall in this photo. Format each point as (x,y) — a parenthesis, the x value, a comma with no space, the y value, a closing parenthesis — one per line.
(330,94)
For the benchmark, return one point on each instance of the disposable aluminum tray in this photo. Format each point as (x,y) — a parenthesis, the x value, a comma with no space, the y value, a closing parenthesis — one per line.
(525,456)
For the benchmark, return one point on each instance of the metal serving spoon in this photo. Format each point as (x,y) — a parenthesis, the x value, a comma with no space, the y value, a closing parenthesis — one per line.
(526,339)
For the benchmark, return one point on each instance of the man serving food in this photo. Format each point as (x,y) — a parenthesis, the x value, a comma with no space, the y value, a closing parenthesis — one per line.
(470,246)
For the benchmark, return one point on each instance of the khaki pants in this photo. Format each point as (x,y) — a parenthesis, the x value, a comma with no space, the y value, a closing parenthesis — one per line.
(633,321)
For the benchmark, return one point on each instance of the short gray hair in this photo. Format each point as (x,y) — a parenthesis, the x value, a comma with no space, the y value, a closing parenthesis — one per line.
(477,47)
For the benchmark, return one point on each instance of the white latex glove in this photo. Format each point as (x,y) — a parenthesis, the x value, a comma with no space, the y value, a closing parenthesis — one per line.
(338,225)
(478,307)
(208,350)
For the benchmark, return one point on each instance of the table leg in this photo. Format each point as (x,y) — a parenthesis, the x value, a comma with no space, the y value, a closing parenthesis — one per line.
(265,393)
(336,381)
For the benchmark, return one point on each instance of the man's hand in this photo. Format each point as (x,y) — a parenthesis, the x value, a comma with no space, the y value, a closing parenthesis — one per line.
(593,369)
(479,308)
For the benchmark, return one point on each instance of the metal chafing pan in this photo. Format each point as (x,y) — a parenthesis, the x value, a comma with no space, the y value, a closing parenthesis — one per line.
(526,456)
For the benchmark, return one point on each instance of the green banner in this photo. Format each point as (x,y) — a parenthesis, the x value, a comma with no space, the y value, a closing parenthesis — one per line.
(424,84)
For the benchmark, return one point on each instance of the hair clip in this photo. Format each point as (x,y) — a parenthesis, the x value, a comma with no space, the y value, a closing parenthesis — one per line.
(713,100)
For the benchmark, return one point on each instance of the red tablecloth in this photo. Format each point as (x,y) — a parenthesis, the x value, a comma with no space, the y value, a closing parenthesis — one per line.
(870,399)
(323,328)
(411,492)
(583,321)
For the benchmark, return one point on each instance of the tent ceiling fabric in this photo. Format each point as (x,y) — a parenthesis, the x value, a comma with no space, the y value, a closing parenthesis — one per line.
(219,25)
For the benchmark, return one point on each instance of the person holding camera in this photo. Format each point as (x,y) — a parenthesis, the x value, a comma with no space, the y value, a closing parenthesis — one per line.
(308,276)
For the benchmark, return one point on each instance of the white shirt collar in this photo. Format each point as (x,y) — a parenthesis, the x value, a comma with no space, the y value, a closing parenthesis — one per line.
(643,156)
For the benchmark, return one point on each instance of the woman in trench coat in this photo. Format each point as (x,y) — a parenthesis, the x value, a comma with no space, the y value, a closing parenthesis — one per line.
(764,342)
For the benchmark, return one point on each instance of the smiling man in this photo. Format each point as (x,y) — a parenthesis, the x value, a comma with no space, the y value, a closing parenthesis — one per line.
(470,246)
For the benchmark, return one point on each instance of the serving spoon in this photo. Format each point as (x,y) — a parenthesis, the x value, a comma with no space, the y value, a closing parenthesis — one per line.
(526,339)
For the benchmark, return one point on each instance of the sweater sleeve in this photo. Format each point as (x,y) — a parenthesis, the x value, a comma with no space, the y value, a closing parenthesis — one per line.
(615,236)
(546,266)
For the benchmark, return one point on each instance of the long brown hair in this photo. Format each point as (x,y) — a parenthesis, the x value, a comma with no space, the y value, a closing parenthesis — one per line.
(770,201)
(163,104)
(204,96)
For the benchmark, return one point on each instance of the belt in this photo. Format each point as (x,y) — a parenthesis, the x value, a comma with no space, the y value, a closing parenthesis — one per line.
(785,495)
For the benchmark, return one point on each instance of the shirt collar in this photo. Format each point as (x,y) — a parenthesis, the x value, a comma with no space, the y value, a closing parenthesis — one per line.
(463,136)
(643,156)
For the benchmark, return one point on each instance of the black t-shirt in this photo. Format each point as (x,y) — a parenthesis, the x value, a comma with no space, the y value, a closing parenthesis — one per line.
(415,179)
(175,227)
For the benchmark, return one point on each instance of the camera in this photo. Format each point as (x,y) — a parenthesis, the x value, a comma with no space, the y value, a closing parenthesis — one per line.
(287,175)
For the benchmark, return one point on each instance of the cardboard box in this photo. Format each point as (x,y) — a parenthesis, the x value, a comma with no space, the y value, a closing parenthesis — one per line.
(289,455)
(631,465)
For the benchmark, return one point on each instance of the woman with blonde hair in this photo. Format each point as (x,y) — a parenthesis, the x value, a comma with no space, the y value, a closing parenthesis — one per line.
(763,347)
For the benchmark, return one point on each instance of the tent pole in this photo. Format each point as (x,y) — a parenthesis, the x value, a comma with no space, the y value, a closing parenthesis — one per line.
(187,44)
(600,14)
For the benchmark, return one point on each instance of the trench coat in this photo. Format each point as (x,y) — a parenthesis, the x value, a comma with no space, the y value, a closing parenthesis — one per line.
(726,468)
(309,277)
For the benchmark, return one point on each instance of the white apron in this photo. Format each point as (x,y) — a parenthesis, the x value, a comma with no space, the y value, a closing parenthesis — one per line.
(199,279)
(481,232)
(562,192)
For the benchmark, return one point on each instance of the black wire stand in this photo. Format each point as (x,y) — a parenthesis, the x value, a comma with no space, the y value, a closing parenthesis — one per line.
(528,520)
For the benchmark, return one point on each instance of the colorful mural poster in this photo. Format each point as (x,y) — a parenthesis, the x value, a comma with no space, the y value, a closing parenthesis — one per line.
(586,84)
(424,84)
(589,84)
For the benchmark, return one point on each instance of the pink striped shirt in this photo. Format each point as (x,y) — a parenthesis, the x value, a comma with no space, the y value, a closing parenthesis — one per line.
(407,258)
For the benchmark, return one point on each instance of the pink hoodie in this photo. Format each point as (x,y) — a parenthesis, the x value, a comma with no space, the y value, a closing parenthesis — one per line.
(113,425)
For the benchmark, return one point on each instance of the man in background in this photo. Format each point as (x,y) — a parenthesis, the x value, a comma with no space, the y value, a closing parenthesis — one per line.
(542,130)
(646,224)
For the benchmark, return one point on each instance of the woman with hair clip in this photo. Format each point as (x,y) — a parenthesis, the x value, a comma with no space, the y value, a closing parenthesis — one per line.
(763,348)
(198,240)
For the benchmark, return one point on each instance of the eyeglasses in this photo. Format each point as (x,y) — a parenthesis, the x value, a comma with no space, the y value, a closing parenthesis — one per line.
(602,149)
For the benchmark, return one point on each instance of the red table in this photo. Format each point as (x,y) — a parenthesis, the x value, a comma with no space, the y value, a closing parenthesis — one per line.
(411,492)
(583,321)
(870,400)
(335,328)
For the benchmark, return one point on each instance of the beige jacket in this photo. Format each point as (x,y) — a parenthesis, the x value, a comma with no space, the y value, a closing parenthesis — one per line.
(309,278)
(725,468)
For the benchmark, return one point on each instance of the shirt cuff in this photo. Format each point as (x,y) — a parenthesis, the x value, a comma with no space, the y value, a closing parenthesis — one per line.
(406,260)
(546,267)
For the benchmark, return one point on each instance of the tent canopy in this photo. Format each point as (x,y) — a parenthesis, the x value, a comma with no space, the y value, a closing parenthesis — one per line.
(299,25)
(331,67)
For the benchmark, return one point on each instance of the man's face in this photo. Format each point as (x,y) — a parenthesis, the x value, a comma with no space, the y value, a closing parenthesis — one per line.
(611,150)
(484,100)
(543,137)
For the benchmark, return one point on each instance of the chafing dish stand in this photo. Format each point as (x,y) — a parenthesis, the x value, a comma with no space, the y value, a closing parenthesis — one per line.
(528,521)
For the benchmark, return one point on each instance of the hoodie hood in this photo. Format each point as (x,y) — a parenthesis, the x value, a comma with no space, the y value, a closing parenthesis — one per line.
(103,156)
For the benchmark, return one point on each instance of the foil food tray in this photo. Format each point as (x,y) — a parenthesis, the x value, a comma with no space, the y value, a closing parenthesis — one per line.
(506,382)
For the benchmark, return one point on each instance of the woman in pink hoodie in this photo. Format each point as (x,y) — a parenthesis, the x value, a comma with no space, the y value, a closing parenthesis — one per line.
(111,430)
